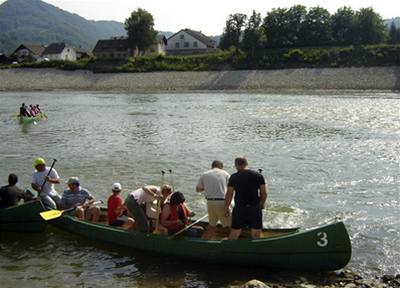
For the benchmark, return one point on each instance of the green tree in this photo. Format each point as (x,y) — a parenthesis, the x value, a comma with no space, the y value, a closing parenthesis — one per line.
(394,34)
(317,29)
(296,16)
(369,27)
(275,26)
(233,31)
(343,26)
(253,38)
(140,29)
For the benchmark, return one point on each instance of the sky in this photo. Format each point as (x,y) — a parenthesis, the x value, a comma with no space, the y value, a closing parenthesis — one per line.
(208,16)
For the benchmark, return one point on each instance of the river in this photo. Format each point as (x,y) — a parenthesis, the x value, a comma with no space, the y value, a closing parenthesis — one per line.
(324,156)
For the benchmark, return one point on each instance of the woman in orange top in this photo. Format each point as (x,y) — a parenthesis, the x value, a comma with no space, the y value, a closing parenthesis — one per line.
(174,215)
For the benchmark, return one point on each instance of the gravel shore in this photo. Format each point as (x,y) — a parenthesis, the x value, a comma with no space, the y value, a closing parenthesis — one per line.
(371,78)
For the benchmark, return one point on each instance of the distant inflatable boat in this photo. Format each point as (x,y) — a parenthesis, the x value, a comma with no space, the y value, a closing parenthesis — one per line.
(27,120)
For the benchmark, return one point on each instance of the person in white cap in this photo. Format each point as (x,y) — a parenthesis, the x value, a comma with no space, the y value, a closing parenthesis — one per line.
(116,210)
(81,199)
(49,196)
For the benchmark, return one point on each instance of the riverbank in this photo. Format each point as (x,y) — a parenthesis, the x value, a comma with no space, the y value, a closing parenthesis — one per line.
(337,279)
(371,78)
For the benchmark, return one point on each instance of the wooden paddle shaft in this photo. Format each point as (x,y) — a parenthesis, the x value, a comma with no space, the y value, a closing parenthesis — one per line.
(187,227)
(45,179)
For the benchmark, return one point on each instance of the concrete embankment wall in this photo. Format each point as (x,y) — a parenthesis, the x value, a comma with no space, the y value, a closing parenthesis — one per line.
(372,78)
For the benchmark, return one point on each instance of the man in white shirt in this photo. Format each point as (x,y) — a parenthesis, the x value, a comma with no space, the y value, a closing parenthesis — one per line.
(214,185)
(49,196)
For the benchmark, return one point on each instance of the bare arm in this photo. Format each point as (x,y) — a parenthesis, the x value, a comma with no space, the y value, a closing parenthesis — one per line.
(35,187)
(152,191)
(199,188)
(118,211)
(263,195)
(200,185)
(228,200)
(53,180)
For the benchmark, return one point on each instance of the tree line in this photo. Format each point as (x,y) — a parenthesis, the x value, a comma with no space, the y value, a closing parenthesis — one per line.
(299,27)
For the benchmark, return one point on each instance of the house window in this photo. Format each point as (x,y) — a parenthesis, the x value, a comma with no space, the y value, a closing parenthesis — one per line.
(186,45)
(195,44)
(177,45)
(182,36)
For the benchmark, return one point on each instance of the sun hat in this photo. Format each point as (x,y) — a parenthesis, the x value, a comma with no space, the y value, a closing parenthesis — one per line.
(38,161)
(73,180)
(116,187)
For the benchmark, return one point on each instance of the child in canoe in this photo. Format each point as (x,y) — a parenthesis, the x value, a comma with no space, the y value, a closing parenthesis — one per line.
(116,210)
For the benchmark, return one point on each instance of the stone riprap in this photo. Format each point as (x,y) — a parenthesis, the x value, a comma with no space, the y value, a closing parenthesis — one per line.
(371,78)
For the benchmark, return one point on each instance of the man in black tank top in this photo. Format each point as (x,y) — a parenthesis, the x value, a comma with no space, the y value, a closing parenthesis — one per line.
(250,192)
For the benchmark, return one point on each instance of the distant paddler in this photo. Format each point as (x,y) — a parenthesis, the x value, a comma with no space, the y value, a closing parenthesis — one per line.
(43,182)
(23,111)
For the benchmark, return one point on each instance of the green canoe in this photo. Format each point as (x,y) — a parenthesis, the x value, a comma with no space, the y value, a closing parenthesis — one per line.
(323,248)
(27,120)
(23,218)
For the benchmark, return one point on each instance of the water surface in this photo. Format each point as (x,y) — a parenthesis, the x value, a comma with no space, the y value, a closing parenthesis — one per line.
(322,155)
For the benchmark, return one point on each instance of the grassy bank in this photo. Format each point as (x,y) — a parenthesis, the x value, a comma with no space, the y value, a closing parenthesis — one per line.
(319,57)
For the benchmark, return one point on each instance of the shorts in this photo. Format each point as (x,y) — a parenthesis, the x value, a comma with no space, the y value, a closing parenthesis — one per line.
(247,216)
(118,223)
(215,209)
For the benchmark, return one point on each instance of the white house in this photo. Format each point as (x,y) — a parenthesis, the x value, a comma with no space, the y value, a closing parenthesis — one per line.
(59,51)
(188,41)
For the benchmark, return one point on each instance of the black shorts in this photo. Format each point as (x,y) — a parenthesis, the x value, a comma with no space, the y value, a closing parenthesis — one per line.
(247,216)
(118,223)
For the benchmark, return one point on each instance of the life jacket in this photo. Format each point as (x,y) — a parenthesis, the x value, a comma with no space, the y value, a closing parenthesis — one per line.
(179,212)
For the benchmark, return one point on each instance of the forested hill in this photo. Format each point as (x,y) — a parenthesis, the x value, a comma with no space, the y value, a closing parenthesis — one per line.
(36,22)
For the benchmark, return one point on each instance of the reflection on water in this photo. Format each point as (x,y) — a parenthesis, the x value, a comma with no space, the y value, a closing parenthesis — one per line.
(323,155)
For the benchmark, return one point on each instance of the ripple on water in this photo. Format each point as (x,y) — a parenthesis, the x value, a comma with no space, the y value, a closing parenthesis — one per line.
(322,156)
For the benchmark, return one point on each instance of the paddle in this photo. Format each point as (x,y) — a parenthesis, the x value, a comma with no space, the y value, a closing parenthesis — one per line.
(156,230)
(45,179)
(187,227)
(53,214)
(171,180)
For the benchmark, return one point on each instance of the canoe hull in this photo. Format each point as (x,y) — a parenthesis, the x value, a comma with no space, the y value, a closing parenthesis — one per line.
(325,248)
(23,218)
(27,120)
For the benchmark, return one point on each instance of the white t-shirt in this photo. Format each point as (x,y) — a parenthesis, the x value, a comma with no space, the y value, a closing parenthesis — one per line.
(142,197)
(214,182)
(38,179)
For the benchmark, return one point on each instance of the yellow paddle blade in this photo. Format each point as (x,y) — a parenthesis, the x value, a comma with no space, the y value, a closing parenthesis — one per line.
(51,214)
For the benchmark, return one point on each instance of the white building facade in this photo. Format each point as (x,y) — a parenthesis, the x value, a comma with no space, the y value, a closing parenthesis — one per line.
(188,41)
(59,51)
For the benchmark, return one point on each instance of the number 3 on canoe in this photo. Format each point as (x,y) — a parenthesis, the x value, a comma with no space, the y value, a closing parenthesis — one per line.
(323,239)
